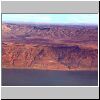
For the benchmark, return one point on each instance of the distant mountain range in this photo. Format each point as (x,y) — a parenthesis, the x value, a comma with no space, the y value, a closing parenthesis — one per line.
(49,47)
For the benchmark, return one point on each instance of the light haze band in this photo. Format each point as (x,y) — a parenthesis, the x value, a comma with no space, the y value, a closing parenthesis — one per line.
(50,6)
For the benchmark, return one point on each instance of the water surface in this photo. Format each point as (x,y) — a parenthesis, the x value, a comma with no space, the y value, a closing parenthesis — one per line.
(30,77)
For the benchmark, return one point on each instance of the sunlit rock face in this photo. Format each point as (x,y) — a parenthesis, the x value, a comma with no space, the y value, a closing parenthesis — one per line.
(50,47)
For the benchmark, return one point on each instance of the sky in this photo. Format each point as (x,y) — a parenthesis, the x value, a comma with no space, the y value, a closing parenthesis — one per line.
(51,18)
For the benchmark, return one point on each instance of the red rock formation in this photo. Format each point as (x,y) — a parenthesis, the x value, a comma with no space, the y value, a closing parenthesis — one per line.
(50,47)
(5,29)
(48,57)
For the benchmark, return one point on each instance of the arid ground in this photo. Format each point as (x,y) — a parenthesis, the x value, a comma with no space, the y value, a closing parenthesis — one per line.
(49,47)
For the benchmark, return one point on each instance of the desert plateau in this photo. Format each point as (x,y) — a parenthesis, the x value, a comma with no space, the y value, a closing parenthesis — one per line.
(49,47)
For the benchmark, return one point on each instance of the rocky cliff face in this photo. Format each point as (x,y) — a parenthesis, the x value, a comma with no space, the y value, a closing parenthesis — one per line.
(49,57)
(24,46)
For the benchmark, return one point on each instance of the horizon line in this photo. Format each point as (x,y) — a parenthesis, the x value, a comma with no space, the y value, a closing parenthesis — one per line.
(41,23)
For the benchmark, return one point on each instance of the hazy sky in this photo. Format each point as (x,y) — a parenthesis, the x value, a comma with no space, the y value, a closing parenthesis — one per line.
(52,18)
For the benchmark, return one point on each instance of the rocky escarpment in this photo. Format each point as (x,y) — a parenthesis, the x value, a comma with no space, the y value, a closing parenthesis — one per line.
(50,47)
(48,57)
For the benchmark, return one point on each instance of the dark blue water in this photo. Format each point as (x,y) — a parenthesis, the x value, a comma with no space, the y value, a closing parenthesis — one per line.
(29,77)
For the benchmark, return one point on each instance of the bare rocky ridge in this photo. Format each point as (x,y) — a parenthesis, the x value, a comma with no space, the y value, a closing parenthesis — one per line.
(50,47)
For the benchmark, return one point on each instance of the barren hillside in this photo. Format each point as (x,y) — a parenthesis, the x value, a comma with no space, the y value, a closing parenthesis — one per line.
(50,47)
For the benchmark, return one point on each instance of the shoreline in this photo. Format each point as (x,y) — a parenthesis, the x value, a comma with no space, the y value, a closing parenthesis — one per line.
(71,70)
